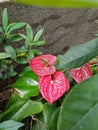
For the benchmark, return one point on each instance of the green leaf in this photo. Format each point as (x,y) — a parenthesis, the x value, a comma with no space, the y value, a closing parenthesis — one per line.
(37,52)
(27,43)
(21,50)
(19,108)
(1,31)
(10,125)
(14,37)
(21,60)
(11,71)
(48,110)
(79,55)
(38,35)
(23,36)
(29,32)
(4,55)
(27,85)
(60,3)
(31,53)
(11,51)
(10,26)
(26,69)
(53,120)
(80,107)
(5,19)
(1,76)
(15,26)
(38,43)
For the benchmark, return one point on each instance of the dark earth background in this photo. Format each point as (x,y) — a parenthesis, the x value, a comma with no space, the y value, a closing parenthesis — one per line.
(63,28)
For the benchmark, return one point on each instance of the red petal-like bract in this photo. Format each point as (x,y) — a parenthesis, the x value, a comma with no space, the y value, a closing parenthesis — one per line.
(40,68)
(53,89)
(82,73)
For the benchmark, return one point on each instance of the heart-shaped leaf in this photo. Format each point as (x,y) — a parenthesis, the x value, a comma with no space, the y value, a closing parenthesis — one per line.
(53,89)
(27,84)
(82,73)
(43,65)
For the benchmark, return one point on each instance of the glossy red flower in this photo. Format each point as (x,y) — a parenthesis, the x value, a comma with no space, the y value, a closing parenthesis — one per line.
(43,65)
(82,73)
(53,89)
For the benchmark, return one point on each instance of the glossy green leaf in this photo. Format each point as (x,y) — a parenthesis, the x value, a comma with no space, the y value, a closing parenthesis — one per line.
(60,3)
(26,69)
(38,35)
(29,32)
(10,125)
(80,107)
(19,108)
(5,19)
(27,85)
(15,26)
(53,120)
(48,110)
(11,51)
(4,55)
(30,74)
(39,43)
(79,55)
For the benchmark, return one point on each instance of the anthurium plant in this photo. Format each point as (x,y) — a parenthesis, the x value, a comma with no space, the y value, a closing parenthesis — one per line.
(55,92)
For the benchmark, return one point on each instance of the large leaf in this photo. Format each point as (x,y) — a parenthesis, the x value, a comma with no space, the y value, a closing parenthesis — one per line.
(5,19)
(19,108)
(79,55)
(27,85)
(4,55)
(10,125)
(60,3)
(48,110)
(80,107)
(11,51)
(53,120)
